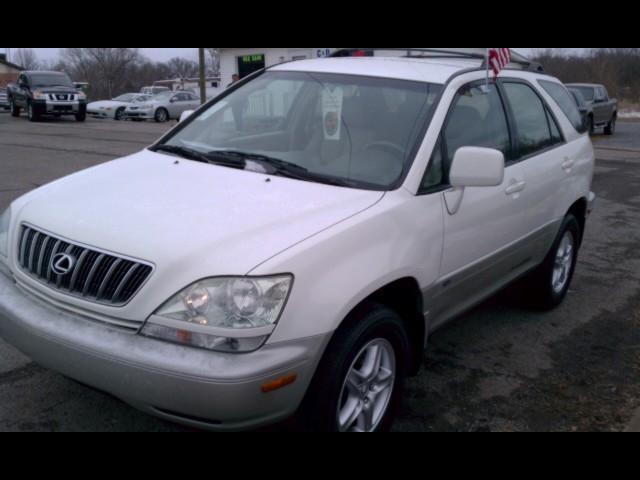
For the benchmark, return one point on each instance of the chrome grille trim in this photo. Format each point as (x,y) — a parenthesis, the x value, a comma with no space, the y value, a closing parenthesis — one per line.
(97,276)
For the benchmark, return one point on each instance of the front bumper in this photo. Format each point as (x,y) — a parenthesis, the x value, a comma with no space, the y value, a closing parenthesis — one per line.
(194,387)
(141,114)
(49,107)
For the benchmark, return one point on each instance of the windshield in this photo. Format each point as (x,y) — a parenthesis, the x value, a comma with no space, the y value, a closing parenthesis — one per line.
(577,96)
(163,95)
(358,129)
(140,98)
(127,97)
(587,92)
(50,80)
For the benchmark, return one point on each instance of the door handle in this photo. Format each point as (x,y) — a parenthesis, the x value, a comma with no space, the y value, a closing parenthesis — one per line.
(568,164)
(515,187)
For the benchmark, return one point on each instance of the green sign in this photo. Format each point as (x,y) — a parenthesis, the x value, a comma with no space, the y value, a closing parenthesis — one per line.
(253,58)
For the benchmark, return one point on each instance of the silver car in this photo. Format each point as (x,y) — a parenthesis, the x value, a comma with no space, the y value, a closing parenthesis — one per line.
(163,107)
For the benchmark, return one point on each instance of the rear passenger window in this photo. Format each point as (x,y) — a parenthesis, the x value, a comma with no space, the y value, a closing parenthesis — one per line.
(530,115)
(476,119)
(563,98)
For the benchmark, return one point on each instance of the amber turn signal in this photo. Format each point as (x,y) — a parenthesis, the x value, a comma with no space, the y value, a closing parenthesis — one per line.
(279,383)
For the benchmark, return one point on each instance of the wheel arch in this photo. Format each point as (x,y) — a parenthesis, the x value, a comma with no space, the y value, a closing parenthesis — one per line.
(579,210)
(404,297)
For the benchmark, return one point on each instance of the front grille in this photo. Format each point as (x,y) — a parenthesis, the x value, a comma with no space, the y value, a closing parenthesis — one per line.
(94,276)
(63,97)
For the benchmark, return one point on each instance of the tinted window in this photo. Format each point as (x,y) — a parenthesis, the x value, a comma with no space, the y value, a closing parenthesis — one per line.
(562,97)
(530,116)
(50,80)
(588,93)
(476,119)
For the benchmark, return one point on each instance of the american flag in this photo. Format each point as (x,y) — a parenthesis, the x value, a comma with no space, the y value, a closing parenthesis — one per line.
(499,58)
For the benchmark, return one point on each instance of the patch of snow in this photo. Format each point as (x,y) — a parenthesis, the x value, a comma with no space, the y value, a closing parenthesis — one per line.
(628,114)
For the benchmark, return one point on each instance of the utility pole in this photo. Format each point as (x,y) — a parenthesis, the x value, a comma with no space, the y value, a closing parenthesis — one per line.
(203,86)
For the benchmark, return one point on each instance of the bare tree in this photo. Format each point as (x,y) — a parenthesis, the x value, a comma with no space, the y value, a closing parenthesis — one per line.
(182,68)
(106,69)
(26,58)
(617,68)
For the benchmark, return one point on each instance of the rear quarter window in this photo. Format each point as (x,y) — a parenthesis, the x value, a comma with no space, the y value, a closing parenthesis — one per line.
(563,99)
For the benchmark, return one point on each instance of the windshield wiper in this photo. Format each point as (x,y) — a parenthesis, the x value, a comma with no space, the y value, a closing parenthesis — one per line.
(277,165)
(191,154)
(286,169)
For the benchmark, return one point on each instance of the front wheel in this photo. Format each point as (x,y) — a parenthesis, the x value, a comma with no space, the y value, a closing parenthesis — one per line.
(161,115)
(31,113)
(358,384)
(15,110)
(610,129)
(81,117)
(119,114)
(548,285)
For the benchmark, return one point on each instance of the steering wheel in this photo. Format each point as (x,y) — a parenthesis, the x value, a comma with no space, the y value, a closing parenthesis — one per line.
(385,146)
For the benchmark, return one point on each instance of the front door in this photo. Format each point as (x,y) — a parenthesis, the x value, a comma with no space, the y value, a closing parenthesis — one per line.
(482,225)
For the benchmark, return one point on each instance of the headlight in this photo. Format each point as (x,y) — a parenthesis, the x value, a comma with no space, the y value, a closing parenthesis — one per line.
(39,95)
(81,96)
(231,314)
(4,233)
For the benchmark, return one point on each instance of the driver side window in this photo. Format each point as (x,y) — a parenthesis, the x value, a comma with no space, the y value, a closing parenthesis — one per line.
(476,119)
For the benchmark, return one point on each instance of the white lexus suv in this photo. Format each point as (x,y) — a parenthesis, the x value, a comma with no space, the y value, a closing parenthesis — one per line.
(291,245)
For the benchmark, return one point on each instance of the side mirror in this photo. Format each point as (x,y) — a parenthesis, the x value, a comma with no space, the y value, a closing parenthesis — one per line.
(477,167)
(186,114)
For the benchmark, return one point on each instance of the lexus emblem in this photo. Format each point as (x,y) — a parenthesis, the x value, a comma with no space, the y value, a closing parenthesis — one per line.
(62,263)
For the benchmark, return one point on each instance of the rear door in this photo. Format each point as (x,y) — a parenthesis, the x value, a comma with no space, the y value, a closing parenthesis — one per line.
(546,159)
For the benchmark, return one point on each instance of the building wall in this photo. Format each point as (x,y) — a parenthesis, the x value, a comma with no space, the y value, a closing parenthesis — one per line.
(273,56)
(8,74)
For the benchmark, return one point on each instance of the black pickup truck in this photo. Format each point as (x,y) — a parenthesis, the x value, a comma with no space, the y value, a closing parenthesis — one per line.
(46,93)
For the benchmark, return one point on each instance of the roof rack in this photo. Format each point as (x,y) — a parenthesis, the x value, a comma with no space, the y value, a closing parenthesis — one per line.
(516,59)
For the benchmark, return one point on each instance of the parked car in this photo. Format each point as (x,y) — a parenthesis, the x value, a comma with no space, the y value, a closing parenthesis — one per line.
(604,110)
(46,93)
(154,90)
(290,246)
(163,107)
(116,107)
(4,101)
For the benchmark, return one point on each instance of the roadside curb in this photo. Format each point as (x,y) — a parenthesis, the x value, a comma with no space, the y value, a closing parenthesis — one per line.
(634,424)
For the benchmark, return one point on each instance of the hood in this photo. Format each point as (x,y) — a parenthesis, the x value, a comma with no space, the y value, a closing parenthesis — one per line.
(190,219)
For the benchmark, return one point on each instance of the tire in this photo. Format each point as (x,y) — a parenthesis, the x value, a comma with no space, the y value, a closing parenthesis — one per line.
(119,114)
(547,286)
(591,126)
(15,110)
(610,129)
(31,114)
(352,351)
(161,115)
(81,117)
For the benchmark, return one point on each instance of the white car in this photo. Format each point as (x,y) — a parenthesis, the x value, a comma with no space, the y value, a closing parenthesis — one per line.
(116,107)
(291,246)
(163,106)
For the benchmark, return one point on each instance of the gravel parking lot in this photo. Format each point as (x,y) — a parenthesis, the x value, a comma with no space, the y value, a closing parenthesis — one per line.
(498,368)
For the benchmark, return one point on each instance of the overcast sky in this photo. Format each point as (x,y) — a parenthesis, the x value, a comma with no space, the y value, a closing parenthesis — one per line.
(157,54)
(164,54)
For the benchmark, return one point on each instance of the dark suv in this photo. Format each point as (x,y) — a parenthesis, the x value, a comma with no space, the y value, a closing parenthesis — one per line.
(46,93)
